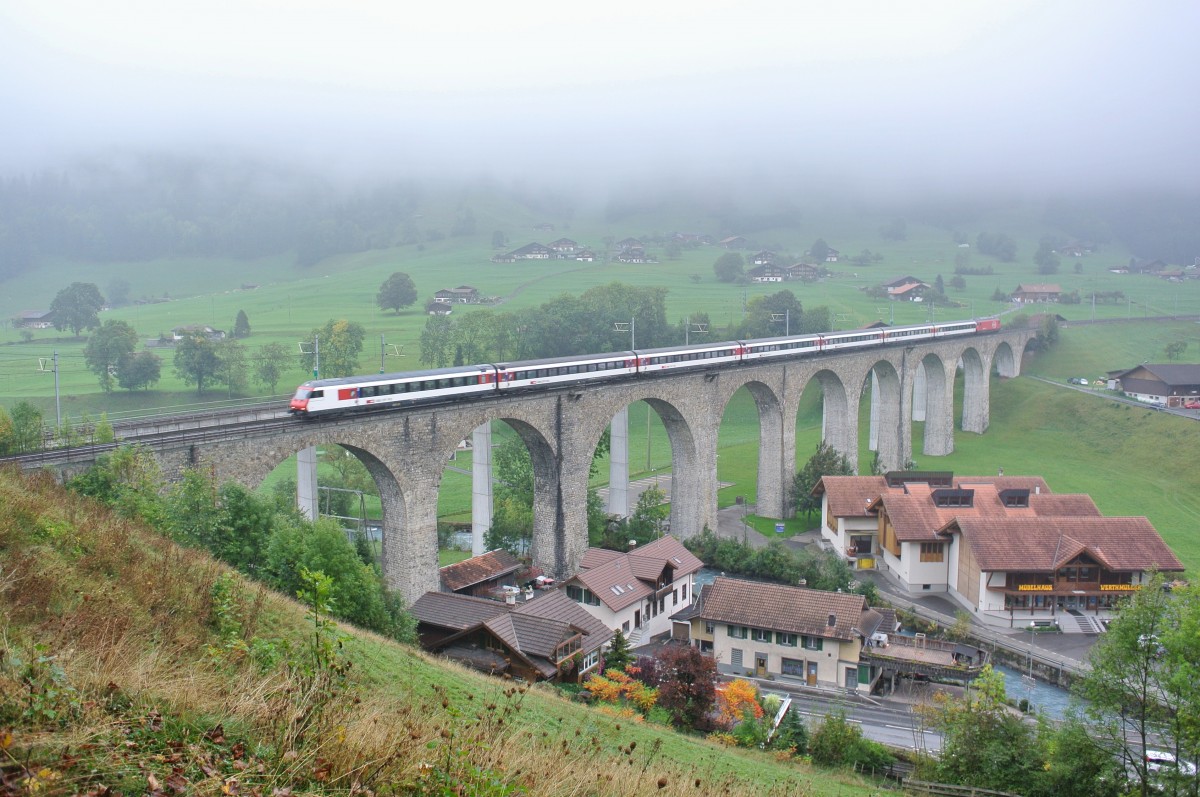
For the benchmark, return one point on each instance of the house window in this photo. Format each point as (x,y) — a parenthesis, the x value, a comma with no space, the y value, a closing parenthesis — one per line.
(735,657)
(590,661)
(625,627)
(738,631)
(674,597)
(761,636)
(792,667)
(931,551)
(590,599)
(575,593)
(787,640)
(812,642)
(709,627)
(684,592)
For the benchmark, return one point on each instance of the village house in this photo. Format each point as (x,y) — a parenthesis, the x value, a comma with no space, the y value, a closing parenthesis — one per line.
(635,255)
(34,319)
(1002,546)
(766,273)
(545,636)
(196,330)
(438,308)
(629,243)
(806,272)
(763,258)
(832,255)
(564,248)
(1036,293)
(759,629)
(1172,384)
(585,256)
(733,242)
(531,251)
(900,283)
(463,294)
(912,292)
(636,591)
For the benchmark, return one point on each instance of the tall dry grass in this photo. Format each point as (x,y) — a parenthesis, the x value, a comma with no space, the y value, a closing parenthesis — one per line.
(153,699)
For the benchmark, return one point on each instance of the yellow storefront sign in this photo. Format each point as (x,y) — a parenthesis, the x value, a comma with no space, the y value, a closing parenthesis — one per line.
(1035,587)
(1119,587)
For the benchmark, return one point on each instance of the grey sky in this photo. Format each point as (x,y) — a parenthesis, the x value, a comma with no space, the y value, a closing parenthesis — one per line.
(906,96)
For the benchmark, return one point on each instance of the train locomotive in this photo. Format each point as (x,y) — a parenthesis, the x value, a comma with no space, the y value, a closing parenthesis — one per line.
(324,396)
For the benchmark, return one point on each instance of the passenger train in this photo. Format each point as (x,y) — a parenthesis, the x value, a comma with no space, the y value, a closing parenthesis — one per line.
(321,396)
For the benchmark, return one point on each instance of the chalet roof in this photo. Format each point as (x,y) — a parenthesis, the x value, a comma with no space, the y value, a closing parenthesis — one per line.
(556,606)
(794,610)
(451,610)
(34,315)
(907,287)
(477,569)
(1185,374)
(1033,287)
(1043,544)
(906,279)
(622,579)
(849,496)
(530,248)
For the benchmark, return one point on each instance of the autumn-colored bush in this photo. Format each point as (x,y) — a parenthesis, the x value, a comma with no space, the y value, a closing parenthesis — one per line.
(617,685)
(737,700)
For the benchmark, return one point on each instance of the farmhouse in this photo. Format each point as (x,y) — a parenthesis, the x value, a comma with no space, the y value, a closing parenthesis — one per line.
(1030,293)
(547,637)
(763,258)
(34,319)
(635,255)
(1171,384)
(197,330)
(564,247)
(530,251)
(585,256)
(635,591)
(463,294)
(832,255)
(766,273)
(1001,546)
(438,308)
(804,271)
(732,242)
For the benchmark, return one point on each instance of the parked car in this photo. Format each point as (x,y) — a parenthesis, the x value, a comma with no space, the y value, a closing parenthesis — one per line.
(1192,405)
(1078,380)
(1161,760)
(1157,405)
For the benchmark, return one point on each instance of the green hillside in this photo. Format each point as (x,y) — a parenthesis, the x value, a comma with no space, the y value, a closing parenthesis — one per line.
(130,664)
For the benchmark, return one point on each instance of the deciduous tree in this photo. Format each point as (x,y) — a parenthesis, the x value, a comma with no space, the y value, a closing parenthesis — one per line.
(140,370)
(396,291)
(197,361)
(26,428)
(340,344)
(77,307)
(271,364)
(729,267)
(688,684)
(105,349)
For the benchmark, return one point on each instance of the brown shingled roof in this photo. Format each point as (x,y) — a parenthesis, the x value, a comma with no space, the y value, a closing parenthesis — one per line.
(1042,544)
(450,610)
(468,572)
(916,518)
(623,579)
(555,605)
(782,608)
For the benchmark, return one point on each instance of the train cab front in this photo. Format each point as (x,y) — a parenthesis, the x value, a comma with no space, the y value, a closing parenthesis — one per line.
(299,404)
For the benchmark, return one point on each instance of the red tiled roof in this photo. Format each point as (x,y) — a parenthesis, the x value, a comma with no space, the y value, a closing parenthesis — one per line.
(594,557)
(477,569)
(849,496)
(1042,544)
(777,607)
(916,518)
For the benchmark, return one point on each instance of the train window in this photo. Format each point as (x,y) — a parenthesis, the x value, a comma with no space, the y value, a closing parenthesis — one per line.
(317,394)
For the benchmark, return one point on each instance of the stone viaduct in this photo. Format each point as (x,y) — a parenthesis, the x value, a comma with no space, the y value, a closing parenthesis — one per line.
(406,450)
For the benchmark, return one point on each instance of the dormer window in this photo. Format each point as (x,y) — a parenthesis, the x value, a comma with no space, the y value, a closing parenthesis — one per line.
(1014,499)
(953,498)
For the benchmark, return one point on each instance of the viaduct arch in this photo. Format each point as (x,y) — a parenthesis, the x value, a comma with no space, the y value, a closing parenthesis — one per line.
(405,450)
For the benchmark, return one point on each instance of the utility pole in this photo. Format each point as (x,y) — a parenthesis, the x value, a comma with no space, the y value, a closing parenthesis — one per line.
(57,406)
(316,355)
(382,352)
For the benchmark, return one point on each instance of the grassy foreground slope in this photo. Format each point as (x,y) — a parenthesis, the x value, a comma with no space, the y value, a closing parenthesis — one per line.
(133,664)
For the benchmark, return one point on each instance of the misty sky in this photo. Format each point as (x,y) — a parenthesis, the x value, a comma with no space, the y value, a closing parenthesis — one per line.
(905,96)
